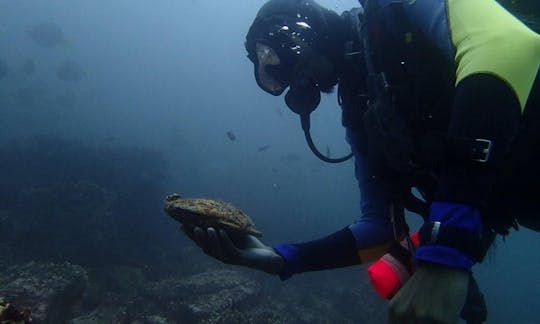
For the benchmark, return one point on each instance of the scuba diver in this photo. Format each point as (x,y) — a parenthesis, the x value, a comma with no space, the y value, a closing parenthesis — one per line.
(442,96)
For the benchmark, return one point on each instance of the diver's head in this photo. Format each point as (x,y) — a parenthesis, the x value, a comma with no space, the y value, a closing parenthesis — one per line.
(296,44)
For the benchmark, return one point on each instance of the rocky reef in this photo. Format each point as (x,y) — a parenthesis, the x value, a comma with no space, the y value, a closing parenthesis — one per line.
(40,292)
(66,293)
(9,313)
(62,200)
(204,296)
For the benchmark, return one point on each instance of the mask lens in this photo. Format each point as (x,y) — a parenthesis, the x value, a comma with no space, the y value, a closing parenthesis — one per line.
(268,61)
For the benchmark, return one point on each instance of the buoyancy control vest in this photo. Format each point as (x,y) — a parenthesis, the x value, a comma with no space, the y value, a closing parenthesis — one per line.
(380,92)
(396,92)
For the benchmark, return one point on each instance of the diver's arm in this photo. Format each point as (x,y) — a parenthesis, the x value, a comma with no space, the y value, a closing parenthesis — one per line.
(455,237)
(484,108)
(365,240)
(334,251)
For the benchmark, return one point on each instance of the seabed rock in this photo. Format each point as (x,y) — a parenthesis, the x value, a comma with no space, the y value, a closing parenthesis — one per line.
(9,313)
(46,291)
(204,297)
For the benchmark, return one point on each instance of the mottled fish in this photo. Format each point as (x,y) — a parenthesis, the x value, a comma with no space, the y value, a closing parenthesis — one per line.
(231,135)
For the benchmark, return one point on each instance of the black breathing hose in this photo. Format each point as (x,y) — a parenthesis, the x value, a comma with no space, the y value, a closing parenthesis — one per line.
(304,119)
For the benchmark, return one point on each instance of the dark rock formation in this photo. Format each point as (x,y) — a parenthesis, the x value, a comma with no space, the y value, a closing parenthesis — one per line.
(10,313)
(65,293)
(65,201)
(223,296)
(46,292)
(206,296)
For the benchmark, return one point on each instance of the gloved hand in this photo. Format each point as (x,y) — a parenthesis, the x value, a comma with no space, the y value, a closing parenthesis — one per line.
(244,250)
(434,294)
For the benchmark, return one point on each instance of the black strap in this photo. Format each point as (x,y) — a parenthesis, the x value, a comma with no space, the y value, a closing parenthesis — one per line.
(352,92)
(437,147)
(416,205)
(468,149)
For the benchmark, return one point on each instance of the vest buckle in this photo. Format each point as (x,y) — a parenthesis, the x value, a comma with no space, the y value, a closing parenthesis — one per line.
(481,150)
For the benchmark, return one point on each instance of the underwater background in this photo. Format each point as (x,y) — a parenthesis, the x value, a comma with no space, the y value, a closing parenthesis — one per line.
(108,106)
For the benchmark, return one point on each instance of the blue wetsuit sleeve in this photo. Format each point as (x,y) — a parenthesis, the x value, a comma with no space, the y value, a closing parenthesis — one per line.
(340,249)
(452,214)
(374,225)
(334,251)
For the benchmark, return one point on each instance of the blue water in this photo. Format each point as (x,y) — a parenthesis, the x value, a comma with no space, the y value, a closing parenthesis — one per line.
(164,86)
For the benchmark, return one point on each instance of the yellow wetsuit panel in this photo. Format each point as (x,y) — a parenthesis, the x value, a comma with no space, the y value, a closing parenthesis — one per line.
(373,253)
(488,39)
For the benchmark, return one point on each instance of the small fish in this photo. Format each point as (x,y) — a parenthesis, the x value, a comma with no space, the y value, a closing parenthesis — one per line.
(328,151)
(231,135)
(263,148)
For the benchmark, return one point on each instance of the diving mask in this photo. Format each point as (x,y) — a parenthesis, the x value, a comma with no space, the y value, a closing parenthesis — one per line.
(269,70)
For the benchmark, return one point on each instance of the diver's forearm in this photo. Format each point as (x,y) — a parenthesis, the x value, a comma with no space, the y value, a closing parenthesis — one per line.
(334,251)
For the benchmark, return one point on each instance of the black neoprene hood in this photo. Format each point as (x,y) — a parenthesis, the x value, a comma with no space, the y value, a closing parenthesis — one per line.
(324,26)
